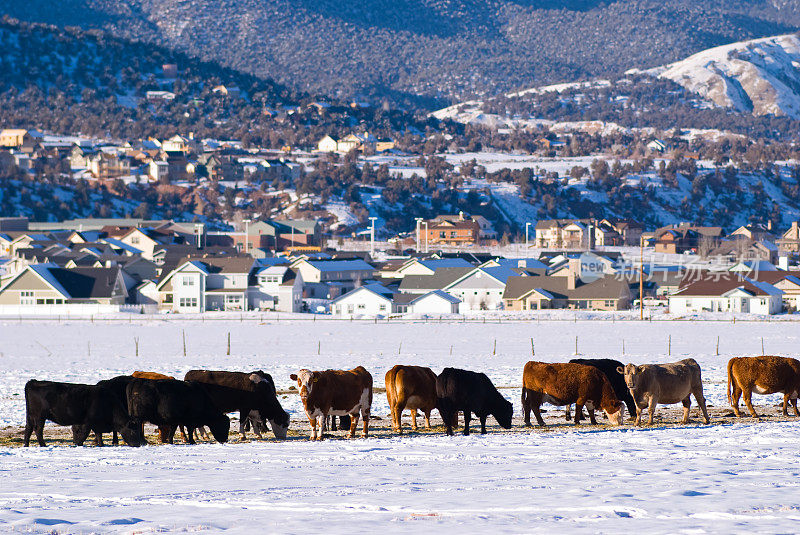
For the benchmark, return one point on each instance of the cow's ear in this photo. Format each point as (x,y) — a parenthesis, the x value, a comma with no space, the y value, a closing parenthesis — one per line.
(293,377)
(621,370)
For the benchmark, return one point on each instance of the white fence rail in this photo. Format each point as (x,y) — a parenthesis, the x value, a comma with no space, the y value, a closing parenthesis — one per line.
(74,310)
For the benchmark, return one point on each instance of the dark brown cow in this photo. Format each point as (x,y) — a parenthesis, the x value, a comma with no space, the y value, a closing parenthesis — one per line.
(410,387)
(253,394)
(565,383)
(164,432)
(335,392)
(764,375)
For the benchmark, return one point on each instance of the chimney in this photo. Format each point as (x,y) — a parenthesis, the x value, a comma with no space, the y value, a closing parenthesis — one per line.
(571,280)
(522,263)
(783,263)
(769,224)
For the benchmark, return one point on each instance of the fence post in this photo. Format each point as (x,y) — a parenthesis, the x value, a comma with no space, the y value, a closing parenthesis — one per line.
(576,344)
(319,346)
(136,342)
(400,348)
(717,345)
(533,351)
(623,346)
(229,343)
(494,350)
(762,345)
(669,345)
(183,335)
(451,350)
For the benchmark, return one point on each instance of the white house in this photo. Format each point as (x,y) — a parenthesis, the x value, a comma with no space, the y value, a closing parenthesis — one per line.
(481,288)
(727,292)
(416,266)
(433,303)
(213,283)
(277,288)
(328,144)
(371,300)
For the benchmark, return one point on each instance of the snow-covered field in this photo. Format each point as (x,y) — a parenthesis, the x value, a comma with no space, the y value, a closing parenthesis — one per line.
(727,477)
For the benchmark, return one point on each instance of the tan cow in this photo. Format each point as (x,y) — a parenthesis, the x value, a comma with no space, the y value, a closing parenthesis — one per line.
(653,384)
(763,375)
(410,387)
(565,383)
(337,393)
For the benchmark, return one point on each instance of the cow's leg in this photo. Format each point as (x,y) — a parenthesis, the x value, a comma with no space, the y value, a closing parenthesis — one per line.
(428,417)
(98,438)
(80,433)
(527,405)
(652,408)
(687,402)
(701,400)
(39,427)
(537,411)
(313,421)
(397,417)
(794,405)
(447,417)
(735,395)
(592,419)
(243,415)
(26,441)
(353,426)
(578,411)
(567,413)
(467,417)
(365,416)
(414,419)
(483,423)
(115,437)
(748,396)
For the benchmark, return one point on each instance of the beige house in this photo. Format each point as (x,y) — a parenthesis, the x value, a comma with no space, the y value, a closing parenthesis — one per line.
(49,284)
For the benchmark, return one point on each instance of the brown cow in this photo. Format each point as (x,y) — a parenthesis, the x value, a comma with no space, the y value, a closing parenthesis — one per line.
(165,433)
(410,387)
(335,392)
(565,383)
(651,384)
(764,375)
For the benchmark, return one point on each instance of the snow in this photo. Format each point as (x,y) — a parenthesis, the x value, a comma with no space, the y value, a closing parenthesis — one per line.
(724,477)
(756,75)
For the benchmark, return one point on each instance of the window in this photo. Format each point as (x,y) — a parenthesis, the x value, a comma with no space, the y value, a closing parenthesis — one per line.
(188,281)
(452,233)
(187,302)
(442,234)
(382,308)
(26,297)
(135,240)
(361,306)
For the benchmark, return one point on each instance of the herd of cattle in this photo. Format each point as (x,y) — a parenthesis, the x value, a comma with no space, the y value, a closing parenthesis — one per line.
(203,398)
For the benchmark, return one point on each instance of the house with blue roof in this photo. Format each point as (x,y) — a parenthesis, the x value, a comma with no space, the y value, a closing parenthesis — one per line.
(369,300)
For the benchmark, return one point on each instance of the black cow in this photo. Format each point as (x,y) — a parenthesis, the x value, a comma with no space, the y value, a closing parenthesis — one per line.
(87,408)
(617,380)
(252,394)
(174,403)
(463,390)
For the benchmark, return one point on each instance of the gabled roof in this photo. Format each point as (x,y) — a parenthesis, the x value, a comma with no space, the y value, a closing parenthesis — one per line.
(76,283)
(441,278)
(719,284)
(437,293)
(340,265)
(373,287)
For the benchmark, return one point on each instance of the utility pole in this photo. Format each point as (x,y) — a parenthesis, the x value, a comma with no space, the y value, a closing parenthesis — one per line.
(641,278)
(426,236)
(372,236)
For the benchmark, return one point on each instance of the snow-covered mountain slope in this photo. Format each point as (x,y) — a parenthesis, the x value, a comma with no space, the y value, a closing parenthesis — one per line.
(761,76)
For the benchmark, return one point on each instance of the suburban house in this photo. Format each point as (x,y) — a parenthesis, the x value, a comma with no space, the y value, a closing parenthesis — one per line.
(207,283)
(49,284)
(722,292)
(684,237)
(416,266)
(547,292)
(786,281)
(476,288)
(278,287)
(373,300)
(328,279)
(564,234)
(790,240)
(450,230)
(742,248)
(328,144)
(432,303)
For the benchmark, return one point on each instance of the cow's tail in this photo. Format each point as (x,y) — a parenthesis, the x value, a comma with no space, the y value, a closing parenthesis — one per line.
(730,381)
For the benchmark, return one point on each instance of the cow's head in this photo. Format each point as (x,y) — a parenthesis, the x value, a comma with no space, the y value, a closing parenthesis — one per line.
(503,412)
(306,380)
(615,416)
(633,375)
(220,427)
(131,433)
(271,411)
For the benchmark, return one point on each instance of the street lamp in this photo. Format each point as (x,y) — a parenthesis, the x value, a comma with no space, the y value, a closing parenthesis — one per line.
(372,236)
(527,249)
(416,243)
(426,236)
(247,235)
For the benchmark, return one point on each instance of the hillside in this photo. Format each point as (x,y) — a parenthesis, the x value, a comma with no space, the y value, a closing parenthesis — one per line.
(760,76)
(426,51)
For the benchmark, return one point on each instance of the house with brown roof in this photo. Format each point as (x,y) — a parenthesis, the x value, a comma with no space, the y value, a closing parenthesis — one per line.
(546,292)
(450,230)
(564,234)
(681,238)
(725,292)
(48,284)
(790,240)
